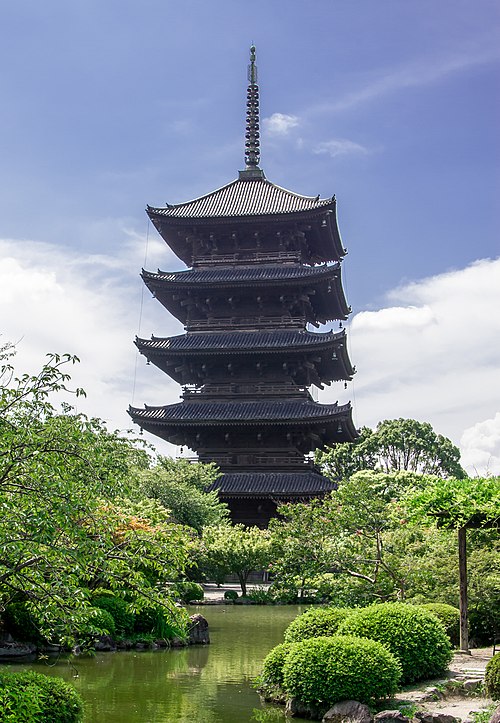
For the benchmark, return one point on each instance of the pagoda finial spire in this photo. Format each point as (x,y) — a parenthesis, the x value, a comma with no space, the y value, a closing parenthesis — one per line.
(252,135)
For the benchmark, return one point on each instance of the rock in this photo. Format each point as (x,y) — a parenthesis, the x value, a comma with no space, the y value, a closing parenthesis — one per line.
(428,717)
(472,685)
(104,644)
(495,718)
(198,630)
(348,710)
(296,709)
(12,650)
(432,693)
(390,716)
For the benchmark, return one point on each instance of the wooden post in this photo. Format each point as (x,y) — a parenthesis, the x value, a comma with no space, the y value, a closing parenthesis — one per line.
(462,566)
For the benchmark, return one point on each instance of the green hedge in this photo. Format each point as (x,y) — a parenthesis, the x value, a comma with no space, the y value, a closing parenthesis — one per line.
(272,667)
(492,677)
(415,636)
(324,671)
(35,698)
(119,611)
(315,623)
(449,616)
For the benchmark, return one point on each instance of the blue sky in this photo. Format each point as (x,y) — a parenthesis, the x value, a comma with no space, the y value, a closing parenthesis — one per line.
(391,105)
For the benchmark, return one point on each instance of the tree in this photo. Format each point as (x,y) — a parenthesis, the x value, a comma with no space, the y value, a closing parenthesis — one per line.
(181,486)
(237,550)
(65,519)
(459,504)
(395,445)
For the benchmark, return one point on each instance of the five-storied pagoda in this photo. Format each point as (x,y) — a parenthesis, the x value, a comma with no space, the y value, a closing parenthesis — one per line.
(264,266)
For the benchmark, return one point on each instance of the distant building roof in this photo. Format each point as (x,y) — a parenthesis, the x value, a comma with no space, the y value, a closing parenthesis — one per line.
(272,484)
(243,197)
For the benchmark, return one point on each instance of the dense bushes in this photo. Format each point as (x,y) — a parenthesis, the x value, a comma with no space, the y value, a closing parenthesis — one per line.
(413,634)
(35,698)
(316,622)
(187,591)
(272,667)
(20,622)
(449,616)
(492,678)
(119,611)
(323,671)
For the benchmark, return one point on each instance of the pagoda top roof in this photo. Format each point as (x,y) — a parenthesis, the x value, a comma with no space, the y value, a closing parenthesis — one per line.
(248,195)
(247,341)
(241,274)
(244,412)
(272,484)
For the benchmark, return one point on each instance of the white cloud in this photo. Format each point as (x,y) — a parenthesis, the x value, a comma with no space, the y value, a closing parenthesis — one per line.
(340,147)
(280,124)
(434,355)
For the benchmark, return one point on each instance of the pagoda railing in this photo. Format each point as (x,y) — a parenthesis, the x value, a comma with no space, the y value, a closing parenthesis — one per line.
(264,389)
(238,257)
(246,323)
(258,460)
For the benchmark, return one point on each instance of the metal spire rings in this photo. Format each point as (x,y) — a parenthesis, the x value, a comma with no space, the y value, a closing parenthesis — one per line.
(252,135)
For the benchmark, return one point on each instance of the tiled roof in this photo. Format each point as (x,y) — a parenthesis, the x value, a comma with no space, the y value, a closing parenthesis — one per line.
(244,412)
(272,484)
(243,197)
(250,341)
(244,274)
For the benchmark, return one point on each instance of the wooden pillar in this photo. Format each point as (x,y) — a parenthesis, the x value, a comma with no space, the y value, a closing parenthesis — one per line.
(462,566)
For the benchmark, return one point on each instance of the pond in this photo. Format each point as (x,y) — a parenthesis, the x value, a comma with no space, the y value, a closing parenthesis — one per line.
(199,684)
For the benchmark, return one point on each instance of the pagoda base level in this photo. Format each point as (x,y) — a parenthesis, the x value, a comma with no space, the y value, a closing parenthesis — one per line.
(253,497)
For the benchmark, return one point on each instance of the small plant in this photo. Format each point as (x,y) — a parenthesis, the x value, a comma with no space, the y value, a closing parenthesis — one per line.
(156,623)
(415,636)
(260,595)
(230,595)
(492,677)
(315,623)
(187,591)
(32,697)
(324,671)
(449,616)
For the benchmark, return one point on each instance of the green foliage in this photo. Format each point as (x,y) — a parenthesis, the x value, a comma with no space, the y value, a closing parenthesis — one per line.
(449,616)
(99,622)
(21,623)
(230,595)
(492,677)
(395,445)
(260,595)
(181,486)
(324,671)
(119,610)
(235,549)
(415,636)
(187,591)
(315,623)
(271,677)
(158,624)
(35,698)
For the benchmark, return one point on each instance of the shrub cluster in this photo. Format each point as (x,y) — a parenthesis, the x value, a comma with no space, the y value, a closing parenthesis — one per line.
(35,698)
(118,609)
(316,622)
(326,670)
(492,677)
(414,635)
(230,595)
(187,591)
(272,667)
(20,623)
(449,616)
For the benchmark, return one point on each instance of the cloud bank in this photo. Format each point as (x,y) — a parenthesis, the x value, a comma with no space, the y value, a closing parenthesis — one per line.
(432,353)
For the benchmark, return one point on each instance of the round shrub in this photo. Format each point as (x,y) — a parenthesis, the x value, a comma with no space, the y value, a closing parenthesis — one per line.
(118,609)
(324,671)
(35,698)
(187,591)
(100,619)
(449,616)
(272,667)
(415,636)
(316,622)
(492,677)
(230,595)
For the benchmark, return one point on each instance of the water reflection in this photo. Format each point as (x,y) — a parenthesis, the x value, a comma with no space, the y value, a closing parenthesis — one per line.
(211,684)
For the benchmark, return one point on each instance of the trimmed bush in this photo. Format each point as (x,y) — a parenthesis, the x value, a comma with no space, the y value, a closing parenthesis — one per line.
(492,677)
(118,609)
(449,616)
(324,671)
(187,591)
(315,623)
(415,636)
(35,698)
(230,595)
(272,667)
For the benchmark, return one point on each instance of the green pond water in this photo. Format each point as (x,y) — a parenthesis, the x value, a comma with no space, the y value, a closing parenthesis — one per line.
(199,684)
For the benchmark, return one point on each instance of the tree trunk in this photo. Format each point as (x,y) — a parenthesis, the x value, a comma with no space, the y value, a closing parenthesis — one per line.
(462,566)
(242,577)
